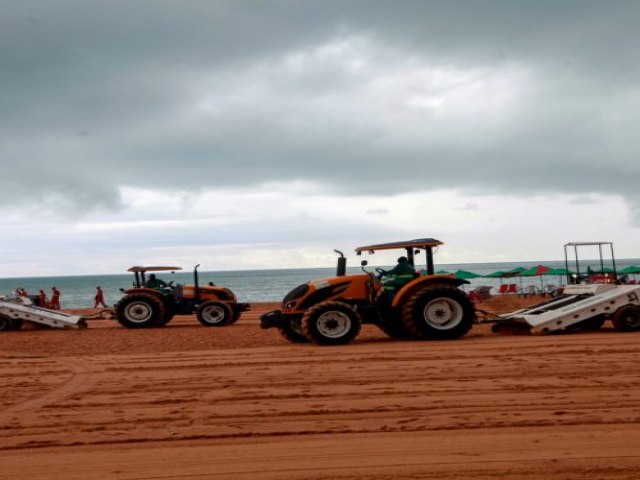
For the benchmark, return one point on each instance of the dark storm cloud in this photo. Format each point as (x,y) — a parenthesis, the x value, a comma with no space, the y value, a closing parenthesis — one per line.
(203,94)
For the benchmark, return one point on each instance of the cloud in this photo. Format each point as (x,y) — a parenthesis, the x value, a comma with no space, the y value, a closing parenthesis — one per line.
(128,115)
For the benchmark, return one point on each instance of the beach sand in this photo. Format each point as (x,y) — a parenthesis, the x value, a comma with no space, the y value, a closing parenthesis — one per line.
(189,402)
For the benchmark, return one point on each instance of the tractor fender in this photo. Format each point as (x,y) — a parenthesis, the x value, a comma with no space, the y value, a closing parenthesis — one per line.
(419,283)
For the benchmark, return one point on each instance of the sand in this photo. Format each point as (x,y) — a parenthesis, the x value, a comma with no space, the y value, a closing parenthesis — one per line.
(237,402)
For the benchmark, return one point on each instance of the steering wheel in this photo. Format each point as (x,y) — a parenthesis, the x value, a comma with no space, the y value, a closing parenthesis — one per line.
(381,272)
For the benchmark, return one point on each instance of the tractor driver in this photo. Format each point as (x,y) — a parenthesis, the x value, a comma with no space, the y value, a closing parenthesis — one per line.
(399,275)
(155,282)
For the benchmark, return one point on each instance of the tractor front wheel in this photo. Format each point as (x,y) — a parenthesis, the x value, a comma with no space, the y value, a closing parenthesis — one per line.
(438,313)
(214,314)
(139,310)
(168,316)
(291,329)
(235,317)
(331,323)
(627,319)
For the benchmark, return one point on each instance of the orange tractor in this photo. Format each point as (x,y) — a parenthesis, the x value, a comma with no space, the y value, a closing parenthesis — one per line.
(153,303)
(331,311)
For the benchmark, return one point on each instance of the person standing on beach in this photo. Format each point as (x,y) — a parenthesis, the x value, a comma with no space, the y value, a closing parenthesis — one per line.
(22,292)
(42,300)
(99,300)
(55,299)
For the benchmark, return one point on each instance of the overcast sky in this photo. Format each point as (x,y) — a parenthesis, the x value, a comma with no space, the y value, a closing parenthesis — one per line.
(263,134)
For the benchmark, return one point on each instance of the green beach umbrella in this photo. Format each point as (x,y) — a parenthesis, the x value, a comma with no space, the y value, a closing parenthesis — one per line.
(630,270)
(465,275)
(535,271)
(505,273)
(538,270)
(560,272)
(601,270)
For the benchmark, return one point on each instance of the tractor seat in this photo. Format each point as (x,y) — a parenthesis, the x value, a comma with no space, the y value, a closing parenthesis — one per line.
(177,292)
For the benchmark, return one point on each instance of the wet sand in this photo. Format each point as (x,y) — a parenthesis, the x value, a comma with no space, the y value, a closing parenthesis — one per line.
(238,402)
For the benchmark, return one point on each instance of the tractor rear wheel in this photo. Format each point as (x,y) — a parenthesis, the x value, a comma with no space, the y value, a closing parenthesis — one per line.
(214,314)
(395,329)
(291,329)
(438,313)
(331,323)
(627,319)
(140,310)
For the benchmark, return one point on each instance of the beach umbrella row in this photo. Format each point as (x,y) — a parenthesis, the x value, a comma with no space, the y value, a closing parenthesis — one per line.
(538,270)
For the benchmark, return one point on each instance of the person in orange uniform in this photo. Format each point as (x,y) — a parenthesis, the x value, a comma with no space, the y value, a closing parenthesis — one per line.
(99,300)
(42,300)
(55,299)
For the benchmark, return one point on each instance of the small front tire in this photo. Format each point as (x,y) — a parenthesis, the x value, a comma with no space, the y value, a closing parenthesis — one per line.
(214,314)
(331,323)
(291,329)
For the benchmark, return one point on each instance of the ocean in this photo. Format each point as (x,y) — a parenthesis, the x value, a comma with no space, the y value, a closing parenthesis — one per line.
(263,285)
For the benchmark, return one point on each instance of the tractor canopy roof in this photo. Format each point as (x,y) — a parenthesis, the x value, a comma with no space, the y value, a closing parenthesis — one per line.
(137,269)
(417,243)
(582,244)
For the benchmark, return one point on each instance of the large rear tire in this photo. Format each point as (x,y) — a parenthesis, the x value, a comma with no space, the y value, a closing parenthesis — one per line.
(627,319)
(331,323)
(291,329)
(395,329)
(139,310)
(438,313)
(214,314)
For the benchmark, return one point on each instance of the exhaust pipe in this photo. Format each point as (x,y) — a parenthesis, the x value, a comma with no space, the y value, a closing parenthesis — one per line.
(196,283)
(341,270)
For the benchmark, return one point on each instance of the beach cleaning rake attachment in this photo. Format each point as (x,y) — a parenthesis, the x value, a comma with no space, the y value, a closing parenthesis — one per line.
(17,310)
(582,306)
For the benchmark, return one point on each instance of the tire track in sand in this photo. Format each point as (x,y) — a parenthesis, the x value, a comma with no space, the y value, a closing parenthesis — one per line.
(82,376)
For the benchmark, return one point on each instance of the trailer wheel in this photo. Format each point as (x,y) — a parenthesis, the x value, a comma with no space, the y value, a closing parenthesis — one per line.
(438,313)
(627,319)
(291,329)
(214,314)
(331,323)
(139,310)
(6,323)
